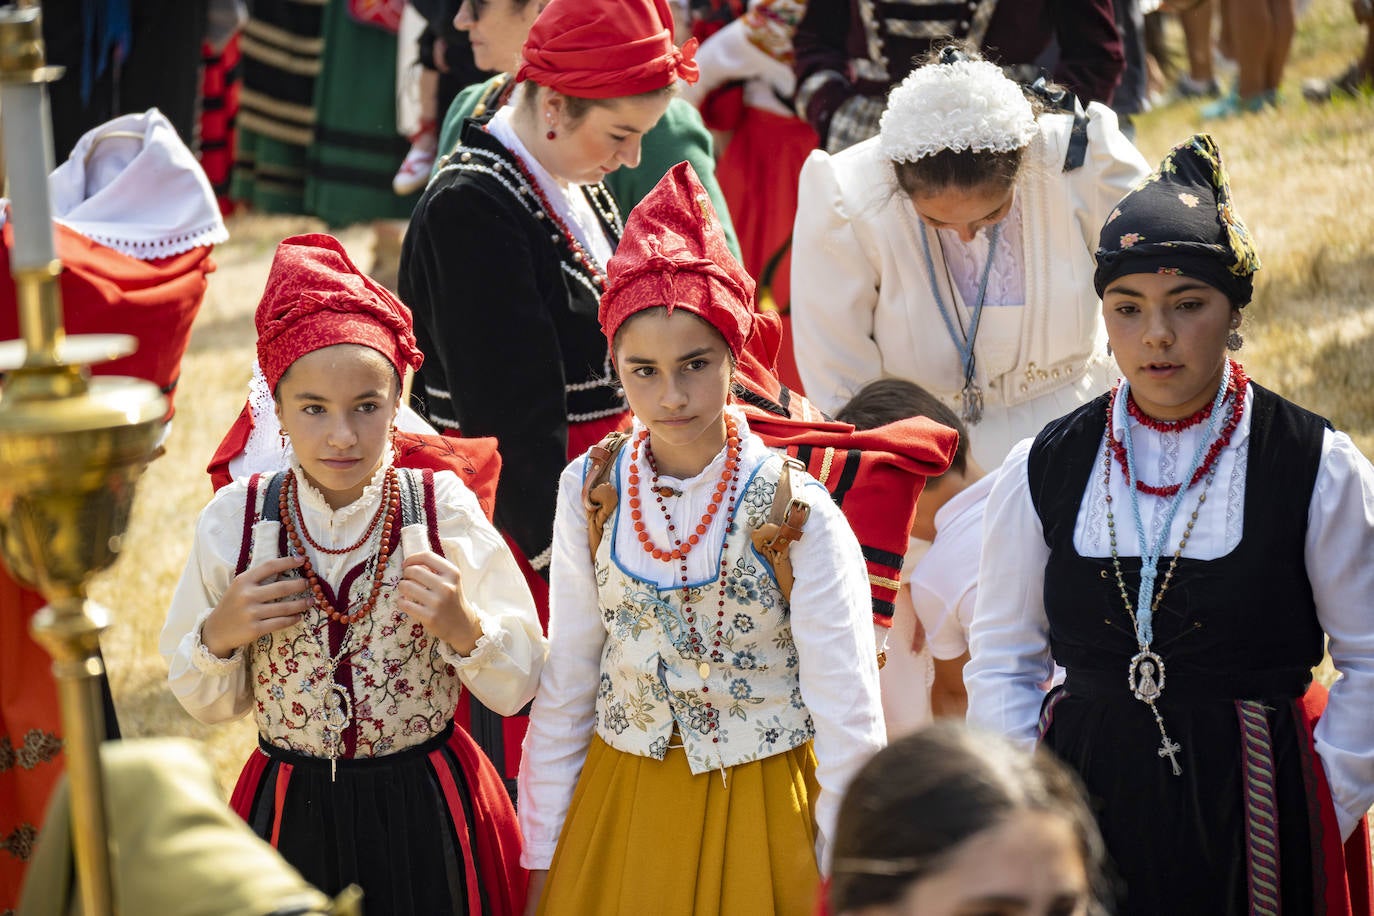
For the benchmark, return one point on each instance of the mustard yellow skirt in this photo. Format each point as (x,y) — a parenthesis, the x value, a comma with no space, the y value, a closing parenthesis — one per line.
(647,836)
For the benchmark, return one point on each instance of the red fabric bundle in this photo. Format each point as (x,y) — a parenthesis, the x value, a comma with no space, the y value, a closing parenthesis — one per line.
(875,475)
(107,292)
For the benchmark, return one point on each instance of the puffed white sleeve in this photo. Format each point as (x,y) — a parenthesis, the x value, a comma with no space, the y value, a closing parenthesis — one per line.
(1340,566)
(564,712)
(210,688)
(834,291)
(1113,166)
(736,53)
(503,669)
(832,624)
(1009,638)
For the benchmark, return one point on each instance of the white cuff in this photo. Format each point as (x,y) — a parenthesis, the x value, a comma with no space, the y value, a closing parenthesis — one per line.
(537,856)
(207,662)
(493,642)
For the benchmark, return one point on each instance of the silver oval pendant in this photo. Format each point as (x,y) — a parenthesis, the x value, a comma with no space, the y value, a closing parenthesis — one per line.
(1146,676)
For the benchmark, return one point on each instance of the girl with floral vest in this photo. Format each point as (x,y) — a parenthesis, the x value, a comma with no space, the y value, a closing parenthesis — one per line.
(697,722)
(345,602)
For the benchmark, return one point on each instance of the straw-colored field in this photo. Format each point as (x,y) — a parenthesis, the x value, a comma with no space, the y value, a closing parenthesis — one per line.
(1304,181)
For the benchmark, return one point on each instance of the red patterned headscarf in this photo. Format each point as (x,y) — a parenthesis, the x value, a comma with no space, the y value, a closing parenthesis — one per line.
(317,298)
(606,49)
(673,254)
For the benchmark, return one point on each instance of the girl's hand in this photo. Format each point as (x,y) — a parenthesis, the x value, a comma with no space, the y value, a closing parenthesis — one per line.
(536,890)
(255,604)
(431,593)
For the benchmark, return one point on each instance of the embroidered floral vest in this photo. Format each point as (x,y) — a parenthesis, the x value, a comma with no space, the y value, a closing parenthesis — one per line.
(749,706)
(394,687)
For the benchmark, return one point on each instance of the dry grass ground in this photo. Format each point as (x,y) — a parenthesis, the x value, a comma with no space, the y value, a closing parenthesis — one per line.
(1303,178)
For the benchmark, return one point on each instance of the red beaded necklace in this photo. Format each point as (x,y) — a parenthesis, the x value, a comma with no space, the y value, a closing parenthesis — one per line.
(1235,391)
(391,501)
(1165,426)
(727,479)
(575,247)
(367,535)
(728,483)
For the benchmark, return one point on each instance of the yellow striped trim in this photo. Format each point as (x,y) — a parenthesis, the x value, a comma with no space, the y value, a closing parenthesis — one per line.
(282,60)
(825,464)
(300,115)
(884,582)
(289,41)
(275,129)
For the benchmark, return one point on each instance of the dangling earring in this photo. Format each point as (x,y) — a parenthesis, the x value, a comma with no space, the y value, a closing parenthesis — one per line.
(548,119)
(1234,341)
(1109,348)
(285,439)
(391,438)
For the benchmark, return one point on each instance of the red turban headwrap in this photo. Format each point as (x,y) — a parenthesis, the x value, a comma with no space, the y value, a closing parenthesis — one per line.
(317,298)
(606,49)
(673,254)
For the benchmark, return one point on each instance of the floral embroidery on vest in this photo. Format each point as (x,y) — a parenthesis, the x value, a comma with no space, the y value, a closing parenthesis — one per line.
(401,688)
(748,707)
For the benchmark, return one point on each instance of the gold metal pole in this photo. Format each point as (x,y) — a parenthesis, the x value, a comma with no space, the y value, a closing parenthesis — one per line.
(71,450)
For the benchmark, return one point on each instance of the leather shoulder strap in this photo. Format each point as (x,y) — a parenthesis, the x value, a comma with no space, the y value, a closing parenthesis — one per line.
(786,519)
(599,496)
(788,512)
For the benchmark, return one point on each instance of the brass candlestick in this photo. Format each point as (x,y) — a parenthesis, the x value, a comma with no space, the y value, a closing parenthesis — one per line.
(71,449)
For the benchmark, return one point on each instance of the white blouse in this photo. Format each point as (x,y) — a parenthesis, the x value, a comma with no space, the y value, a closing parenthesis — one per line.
(1010,632)
(831,618)
(502,671)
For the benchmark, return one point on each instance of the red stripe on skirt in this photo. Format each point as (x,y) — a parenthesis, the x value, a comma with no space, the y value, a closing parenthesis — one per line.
(250,777)
(1348,879)
(279,800)
(460,827)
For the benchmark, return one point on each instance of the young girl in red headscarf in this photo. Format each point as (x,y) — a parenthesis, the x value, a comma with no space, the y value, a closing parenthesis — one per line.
(505,259)
(695,726)
(346,602)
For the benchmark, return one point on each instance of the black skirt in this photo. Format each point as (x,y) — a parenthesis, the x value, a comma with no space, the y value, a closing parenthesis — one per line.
(413,829)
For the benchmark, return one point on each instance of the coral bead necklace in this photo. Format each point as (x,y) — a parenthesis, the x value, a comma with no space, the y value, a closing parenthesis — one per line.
(294,521)
(695,643)
(727,476)
(1235,391)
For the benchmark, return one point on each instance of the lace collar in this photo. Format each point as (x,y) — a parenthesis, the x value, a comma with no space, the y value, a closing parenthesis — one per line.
(314,501)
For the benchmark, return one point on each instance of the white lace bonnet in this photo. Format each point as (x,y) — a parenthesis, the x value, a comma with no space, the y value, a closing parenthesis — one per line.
(960,105)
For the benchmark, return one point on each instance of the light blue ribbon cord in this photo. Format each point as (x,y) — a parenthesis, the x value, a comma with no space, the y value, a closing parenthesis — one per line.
(961,343)
(1149,556)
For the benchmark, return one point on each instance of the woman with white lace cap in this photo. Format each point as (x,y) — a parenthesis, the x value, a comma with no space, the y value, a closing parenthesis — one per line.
(955,250)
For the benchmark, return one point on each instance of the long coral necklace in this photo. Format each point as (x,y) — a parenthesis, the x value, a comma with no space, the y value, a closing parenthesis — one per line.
(695,645)
(1119,448)
(294,521)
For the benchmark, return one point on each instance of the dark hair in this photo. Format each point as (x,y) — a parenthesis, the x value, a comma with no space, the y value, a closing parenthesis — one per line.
(924,795)
(963,169)
(888,400)
(576,108)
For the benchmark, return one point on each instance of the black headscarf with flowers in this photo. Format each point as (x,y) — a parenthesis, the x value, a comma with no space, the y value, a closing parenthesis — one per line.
(1180,220)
